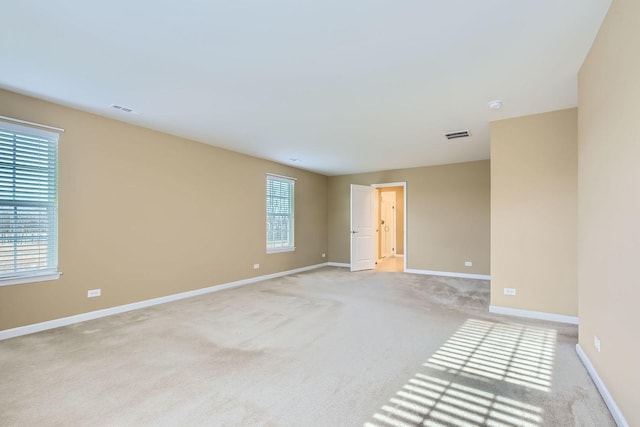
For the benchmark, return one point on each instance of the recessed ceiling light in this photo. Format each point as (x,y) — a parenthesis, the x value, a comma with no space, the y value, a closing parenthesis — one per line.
(295,160)
(495,105)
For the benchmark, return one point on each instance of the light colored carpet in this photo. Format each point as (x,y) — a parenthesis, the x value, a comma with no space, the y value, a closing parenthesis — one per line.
(322,348)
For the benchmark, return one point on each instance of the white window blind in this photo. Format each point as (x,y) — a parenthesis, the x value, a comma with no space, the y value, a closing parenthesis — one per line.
(280,202)
(28,202)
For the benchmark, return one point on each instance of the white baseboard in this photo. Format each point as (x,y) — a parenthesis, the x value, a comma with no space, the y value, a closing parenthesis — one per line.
(399,255)
(339,264)
(448,274)
(540,315)
(56,323)
(606,396)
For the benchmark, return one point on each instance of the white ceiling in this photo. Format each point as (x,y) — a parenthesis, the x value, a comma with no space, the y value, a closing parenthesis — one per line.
(344,86)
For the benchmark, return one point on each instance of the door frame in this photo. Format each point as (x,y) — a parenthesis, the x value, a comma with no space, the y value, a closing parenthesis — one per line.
(406,225)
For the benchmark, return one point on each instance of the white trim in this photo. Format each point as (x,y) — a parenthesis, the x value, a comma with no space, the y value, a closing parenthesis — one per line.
(540,315)
(278,250)
(56,323)
(274,175)
(42,133)
(606,396)
(399,255)
(390,184)
(24,122)
(339,264)
(448,274)
(18,280)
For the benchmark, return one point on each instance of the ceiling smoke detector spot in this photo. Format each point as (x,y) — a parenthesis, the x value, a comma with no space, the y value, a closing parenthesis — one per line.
(495,105)
(458,134)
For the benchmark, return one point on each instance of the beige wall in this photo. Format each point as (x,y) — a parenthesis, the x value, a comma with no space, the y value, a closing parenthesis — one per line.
(534,197)
(143,214)
(447,215)
(399,217)
(609,206)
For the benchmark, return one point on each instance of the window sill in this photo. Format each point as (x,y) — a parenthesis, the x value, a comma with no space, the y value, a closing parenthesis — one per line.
(275,251)
(19,280)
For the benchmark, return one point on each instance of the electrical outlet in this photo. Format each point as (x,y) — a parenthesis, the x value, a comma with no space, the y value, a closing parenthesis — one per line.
(256,266)
(324,255)
(93,293)
(596,343)
(510,291)
(468,264)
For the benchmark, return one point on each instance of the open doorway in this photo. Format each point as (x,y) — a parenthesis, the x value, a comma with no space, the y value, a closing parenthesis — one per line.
(369,236)
(387,224)
(390,227)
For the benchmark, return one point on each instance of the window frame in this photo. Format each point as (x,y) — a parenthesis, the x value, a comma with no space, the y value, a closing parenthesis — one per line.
(50,271)
(290,246)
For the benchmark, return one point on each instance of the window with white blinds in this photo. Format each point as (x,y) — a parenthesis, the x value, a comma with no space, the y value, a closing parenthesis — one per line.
(28,202)
(280,191)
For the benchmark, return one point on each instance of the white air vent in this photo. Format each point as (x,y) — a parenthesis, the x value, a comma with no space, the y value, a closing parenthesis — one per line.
(457,134)
(123,109)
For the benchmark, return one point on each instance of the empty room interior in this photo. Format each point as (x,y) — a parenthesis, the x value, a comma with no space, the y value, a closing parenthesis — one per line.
(332,214)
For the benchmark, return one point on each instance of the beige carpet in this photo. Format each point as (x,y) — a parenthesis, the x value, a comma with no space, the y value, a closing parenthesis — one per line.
(322,348)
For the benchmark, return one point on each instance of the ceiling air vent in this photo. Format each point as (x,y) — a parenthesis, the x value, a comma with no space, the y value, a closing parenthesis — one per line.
(123,109)
(457,134)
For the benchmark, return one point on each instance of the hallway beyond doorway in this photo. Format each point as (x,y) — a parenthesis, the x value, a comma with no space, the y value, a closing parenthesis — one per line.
(390,264)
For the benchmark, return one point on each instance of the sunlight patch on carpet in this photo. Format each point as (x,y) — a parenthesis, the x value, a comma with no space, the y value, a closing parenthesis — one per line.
(516,354)
(465,373)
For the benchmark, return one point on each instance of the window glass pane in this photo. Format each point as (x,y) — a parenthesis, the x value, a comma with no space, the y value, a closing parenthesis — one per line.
(279,213)
(28,201)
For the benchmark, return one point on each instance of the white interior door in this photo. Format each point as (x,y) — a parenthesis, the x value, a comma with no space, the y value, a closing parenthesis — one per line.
(388,223)
(363,236)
